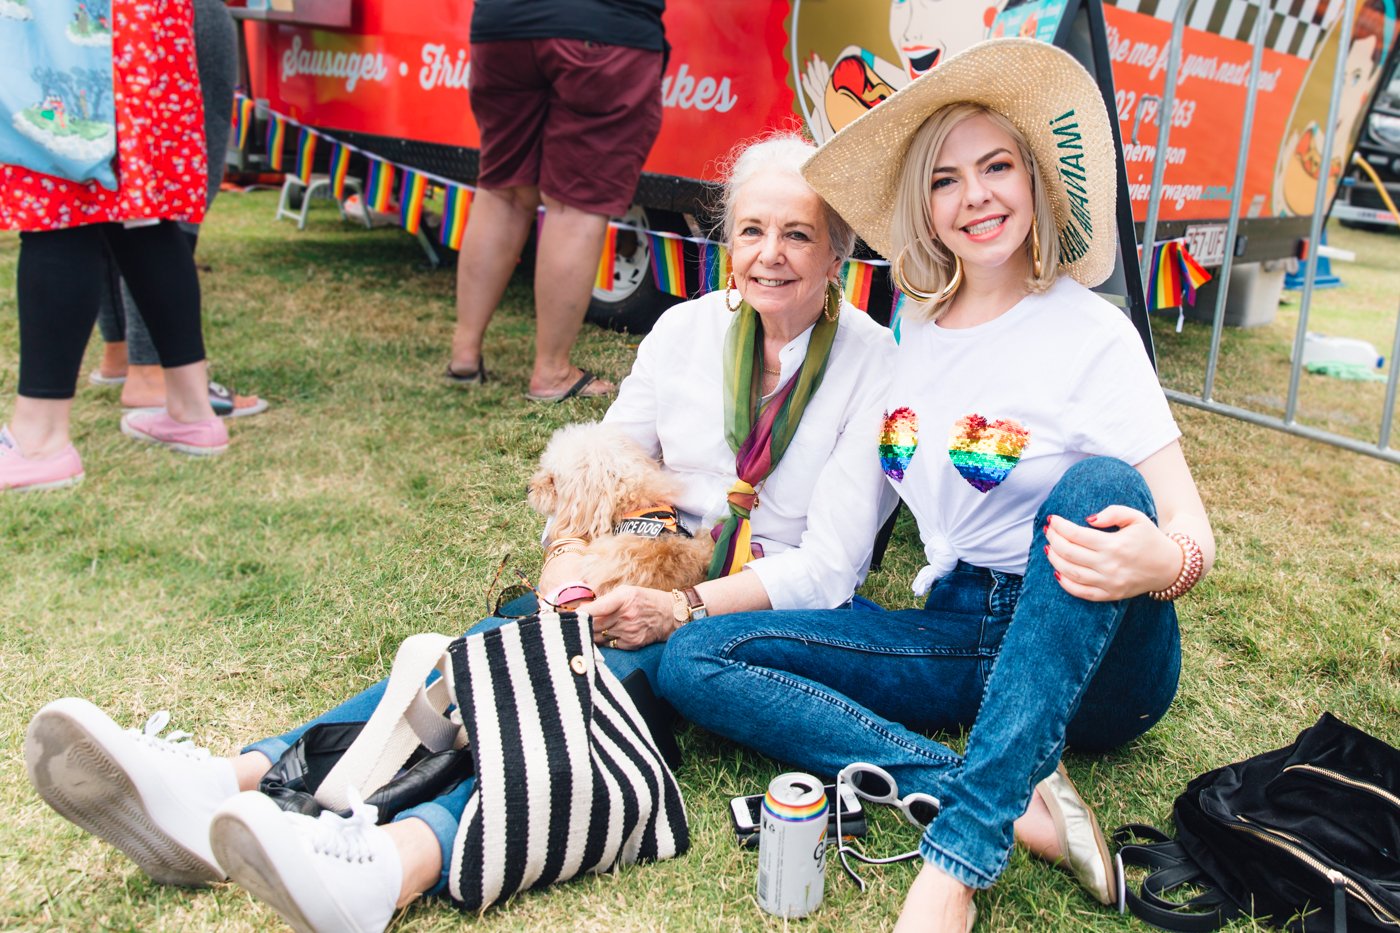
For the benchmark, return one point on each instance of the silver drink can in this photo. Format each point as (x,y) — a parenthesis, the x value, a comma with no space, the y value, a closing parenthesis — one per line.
(792,846)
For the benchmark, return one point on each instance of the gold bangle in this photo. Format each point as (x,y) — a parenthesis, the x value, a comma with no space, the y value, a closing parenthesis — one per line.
(557,551)
(563,546)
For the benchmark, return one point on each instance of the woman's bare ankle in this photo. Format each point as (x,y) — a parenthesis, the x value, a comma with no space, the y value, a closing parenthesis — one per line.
(113,364)
(420,856)
(145,386)
(1035,831)
(249,769)
(936,903)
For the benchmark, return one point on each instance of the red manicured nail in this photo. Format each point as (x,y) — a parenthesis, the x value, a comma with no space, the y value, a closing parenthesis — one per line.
(1057,575)
(1047,550)
(1091,519)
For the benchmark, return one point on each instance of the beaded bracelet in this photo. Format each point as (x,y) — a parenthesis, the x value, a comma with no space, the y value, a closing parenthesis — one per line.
(1193,564)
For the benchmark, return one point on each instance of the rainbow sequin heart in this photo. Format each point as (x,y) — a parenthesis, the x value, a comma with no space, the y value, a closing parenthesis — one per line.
(899,436)
(986,452)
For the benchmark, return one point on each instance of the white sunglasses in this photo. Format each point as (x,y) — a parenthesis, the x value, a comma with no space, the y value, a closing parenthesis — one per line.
(873,783)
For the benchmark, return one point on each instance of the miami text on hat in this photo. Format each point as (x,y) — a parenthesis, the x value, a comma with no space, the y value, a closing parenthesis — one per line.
(1073,239)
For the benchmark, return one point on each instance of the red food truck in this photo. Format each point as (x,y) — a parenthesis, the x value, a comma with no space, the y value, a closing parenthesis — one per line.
(391,77)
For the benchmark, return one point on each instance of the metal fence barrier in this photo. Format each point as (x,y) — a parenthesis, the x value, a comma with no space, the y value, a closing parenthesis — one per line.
(1206,400)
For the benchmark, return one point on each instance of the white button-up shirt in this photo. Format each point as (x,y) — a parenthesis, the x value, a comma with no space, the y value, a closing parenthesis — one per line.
(821,506)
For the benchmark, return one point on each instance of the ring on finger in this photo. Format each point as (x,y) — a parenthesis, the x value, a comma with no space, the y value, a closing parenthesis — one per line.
(612,642)
(603,634)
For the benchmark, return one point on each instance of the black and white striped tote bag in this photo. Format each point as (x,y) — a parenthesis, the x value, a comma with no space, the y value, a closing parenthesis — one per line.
(569,779)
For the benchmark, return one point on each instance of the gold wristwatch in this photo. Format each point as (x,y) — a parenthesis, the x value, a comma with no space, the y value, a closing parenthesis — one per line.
(686,605)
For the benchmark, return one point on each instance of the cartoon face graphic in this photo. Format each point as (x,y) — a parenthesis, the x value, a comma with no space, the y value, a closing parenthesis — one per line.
(1302,167)
(1361,67)
(924,32)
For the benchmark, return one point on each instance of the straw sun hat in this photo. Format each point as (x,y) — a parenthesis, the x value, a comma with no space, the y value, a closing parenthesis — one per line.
(1043,91)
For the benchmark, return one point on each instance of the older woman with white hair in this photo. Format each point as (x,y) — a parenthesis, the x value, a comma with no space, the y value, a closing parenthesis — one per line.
(759,398)
(1026,431)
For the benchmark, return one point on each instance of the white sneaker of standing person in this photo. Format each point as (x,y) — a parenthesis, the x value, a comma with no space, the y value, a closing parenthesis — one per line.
(325,874)
(150,796)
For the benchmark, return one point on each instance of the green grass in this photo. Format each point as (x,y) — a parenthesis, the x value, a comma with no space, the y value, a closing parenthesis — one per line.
(248,593)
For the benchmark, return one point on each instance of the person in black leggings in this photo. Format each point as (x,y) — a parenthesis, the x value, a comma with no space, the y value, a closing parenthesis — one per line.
(67,224)
(129,355)
(59,288)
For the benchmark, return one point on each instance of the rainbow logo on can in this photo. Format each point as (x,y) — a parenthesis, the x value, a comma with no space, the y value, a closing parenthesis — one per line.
(794,812)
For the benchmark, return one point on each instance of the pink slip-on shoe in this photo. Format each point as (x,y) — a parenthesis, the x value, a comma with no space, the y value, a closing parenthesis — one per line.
(199,439)
(19,473)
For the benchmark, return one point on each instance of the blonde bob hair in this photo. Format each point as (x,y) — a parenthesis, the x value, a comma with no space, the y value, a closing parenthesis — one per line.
(783,152)
(928,264)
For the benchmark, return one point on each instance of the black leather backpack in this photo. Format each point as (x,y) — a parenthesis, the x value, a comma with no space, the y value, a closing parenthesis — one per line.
(1304,838)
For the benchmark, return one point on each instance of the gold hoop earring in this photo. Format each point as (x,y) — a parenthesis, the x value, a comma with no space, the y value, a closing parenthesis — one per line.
(952,287)
(897,273)
(831,309)
(1036,265)
(729,287)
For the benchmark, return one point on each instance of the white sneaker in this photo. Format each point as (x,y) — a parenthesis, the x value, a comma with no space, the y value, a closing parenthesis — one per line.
(149,796)
(325,874)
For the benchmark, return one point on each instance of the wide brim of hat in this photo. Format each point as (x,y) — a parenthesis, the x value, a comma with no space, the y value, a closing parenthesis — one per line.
(1043,91)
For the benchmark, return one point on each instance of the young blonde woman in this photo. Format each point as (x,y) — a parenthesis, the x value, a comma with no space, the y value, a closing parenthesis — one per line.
(1026,431)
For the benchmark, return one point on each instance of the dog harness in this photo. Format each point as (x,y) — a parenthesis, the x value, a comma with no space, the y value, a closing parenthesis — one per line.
(653,521)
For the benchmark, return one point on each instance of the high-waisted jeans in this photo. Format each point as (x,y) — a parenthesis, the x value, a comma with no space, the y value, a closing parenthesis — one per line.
(443,814)
(1029,666)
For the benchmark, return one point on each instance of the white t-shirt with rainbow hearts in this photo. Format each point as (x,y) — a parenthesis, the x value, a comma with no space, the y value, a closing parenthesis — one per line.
(982,421)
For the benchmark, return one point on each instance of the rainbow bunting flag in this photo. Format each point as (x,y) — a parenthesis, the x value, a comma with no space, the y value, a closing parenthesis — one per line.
(340,169)
(380,191)
(306,155)
(607,262)
(455,207)
(243,110)
(1175,276)
(411,195)
(856,283)
(276,141)
(668,264)
(716,261)
(897,312)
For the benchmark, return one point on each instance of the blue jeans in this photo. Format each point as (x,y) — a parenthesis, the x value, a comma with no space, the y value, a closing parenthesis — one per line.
(444,814)
(1027,665)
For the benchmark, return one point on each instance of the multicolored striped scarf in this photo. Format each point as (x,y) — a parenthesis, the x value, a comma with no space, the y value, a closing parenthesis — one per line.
(759,433)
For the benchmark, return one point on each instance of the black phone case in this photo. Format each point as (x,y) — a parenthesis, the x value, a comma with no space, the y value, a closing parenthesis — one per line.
(850,825)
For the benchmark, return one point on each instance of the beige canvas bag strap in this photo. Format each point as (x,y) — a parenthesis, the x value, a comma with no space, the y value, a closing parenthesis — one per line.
(408,715)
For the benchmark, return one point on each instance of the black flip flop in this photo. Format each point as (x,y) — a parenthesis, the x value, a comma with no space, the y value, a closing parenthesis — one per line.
(573,391)
(474,378)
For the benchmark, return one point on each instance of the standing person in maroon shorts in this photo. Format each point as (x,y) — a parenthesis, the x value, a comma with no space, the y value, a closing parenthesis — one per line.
(567,95)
